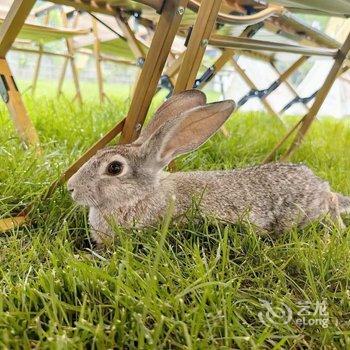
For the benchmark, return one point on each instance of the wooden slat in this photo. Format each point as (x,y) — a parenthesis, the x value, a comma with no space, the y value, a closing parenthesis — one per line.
(154,64)
(38,62)
(87,6)
(135,46)
(44,52)
(37,69)
(271,10)
(98,61)
(13,23)
(197,44)
(8,224)
(225,41)
(71,51)
(16,108)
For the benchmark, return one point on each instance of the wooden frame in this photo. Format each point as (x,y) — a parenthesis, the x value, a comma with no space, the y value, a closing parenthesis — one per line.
(98,60)
(8,33)
(197,44)
(171,14)
(70,59)
(303,126)
(158,53)
(282,78)
(37,69)
(146,86)
(224,41)
(40,55)
(134,44)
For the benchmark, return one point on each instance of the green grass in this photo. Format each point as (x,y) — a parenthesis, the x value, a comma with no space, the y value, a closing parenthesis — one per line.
(199,287)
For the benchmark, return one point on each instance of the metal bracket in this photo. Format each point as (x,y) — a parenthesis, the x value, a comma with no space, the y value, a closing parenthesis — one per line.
(140,62)
(136,14)
(259,93)
(253,29)
(250,10)
(298,99)
(4,88)
(165,83)
(206,76)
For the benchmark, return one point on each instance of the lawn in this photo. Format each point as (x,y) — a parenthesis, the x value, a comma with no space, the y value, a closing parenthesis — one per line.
(206,286)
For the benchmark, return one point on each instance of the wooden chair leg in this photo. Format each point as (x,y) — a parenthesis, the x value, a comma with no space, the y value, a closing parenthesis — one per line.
(13,23)
(196,47)
(198,41)
(37,69)
(75,75)
(71,52)
(8,224)
(62,75)
(155,61)
(135,45)
(8,33)
(98,61)
(174,68)
(40,56)
(13,100)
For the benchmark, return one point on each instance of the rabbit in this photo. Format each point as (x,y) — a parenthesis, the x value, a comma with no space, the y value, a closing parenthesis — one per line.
(126,185)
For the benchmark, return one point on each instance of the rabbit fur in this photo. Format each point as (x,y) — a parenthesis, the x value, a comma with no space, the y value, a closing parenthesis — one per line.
(273,197)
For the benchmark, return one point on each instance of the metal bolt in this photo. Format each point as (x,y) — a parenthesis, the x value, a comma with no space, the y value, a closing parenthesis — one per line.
(140,61)
(180,11)
(205,42)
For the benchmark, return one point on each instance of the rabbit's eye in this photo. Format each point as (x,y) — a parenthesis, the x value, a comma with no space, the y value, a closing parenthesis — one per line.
(115,168)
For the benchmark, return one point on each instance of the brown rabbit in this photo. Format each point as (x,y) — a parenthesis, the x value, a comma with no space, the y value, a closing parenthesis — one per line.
(126,184)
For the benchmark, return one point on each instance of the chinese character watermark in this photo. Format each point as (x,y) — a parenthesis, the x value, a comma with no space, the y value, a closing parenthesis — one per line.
(307,314)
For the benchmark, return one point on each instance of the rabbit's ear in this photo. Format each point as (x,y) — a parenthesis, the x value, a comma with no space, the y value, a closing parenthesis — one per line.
(187,132)
(172,108)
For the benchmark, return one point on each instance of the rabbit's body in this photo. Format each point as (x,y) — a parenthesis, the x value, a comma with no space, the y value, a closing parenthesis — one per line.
(126,185)
(273,197)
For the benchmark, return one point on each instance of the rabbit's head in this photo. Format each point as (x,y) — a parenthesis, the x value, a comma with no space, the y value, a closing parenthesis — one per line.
(126,172)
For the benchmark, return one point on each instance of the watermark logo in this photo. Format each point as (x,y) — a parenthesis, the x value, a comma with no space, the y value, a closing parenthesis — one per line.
(307,314)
